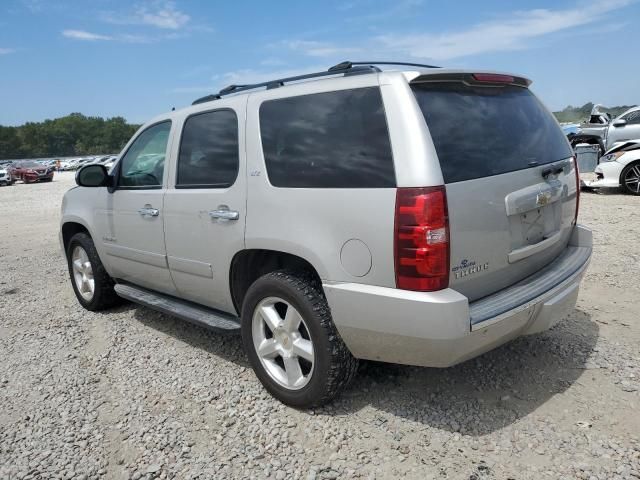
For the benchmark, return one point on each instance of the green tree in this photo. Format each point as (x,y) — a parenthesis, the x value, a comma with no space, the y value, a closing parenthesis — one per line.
(74,134)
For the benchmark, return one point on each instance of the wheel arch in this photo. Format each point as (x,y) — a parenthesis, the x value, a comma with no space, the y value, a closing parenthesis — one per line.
(69,229)
(250,264)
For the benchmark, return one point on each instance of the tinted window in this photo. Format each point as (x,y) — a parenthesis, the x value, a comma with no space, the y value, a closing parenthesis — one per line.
(209,150)
(484,131)
(327,140)
(632,118)
(143,164)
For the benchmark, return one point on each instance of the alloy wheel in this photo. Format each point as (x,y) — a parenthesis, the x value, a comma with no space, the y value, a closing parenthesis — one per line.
(83,273)
(632,179)
(283,343)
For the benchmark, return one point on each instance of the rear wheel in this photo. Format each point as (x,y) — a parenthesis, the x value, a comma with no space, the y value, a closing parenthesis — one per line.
(630,179)
(291,341)
(91,283)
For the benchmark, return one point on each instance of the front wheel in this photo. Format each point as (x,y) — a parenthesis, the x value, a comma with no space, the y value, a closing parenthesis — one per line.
(291,341)
(91,283)
(630,179)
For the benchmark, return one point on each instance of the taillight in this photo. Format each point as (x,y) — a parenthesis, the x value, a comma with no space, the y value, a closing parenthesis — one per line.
(422,239)
(575,164)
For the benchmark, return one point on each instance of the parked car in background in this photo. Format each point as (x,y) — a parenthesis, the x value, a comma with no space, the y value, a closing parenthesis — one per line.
(5,176)
(338,216)
(624,128)
(30,171)
(619,167)
(111,162)
(605,132)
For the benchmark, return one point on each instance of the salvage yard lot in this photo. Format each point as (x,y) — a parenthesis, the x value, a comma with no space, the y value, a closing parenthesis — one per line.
(131,393)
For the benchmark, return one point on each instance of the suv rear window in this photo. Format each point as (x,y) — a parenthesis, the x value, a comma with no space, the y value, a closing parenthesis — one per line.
(485,131)
(327,140)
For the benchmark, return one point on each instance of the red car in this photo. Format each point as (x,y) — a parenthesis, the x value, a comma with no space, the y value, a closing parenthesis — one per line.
(29,171)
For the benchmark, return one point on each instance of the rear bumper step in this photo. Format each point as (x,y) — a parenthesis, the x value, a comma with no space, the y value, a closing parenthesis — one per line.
(570,263)
(199,315)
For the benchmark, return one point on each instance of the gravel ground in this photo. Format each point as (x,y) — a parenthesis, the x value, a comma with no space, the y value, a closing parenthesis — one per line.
(131,393)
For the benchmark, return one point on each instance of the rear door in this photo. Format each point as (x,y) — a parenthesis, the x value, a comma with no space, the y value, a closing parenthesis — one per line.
(509,175)
(205,205)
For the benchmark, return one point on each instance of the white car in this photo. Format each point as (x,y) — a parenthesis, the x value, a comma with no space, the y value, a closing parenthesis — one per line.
(5,177)
(619,167)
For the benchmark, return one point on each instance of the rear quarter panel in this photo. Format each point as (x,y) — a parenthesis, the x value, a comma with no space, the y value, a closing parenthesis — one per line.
(315,223)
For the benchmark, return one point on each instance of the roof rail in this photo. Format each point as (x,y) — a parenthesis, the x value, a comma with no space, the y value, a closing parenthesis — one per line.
(347,70)
(348,64)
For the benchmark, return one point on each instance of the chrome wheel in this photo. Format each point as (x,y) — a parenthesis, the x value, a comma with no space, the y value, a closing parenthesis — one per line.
(83,273)
(283,343)
(632,179)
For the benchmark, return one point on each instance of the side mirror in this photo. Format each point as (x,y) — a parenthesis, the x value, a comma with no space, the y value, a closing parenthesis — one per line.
(93,176)
(619,123)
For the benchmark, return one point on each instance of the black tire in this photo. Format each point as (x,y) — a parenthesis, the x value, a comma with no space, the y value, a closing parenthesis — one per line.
(623,176)
(104,294)
(334,366)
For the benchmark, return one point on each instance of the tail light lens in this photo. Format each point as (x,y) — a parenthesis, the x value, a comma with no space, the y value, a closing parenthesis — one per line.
(422,239)
(575,164)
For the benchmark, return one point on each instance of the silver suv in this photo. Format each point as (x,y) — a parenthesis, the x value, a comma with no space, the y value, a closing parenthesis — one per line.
(419,216)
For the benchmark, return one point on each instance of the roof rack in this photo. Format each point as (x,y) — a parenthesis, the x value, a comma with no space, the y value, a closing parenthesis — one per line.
(345,68)
(281,81)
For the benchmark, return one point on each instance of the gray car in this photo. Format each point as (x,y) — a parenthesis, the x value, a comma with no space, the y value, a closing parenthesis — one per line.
(624,128)
(413,215)
(609,132)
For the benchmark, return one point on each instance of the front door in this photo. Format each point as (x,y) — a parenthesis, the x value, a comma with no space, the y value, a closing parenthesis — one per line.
(132,229)
(205,204)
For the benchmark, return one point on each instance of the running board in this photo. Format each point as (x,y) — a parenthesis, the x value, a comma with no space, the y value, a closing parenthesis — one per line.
(202,316)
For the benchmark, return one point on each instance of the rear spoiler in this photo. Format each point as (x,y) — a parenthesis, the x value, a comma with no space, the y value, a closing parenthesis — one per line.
(474,79)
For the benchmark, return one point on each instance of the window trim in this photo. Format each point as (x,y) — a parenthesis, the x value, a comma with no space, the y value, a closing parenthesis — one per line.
(122,156)
(203,186)
(333,90)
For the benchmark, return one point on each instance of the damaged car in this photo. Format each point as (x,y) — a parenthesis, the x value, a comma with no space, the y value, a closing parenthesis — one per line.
(606,133)
(619,167)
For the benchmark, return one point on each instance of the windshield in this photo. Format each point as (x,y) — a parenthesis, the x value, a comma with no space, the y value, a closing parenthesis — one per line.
(29,165)
(485,131)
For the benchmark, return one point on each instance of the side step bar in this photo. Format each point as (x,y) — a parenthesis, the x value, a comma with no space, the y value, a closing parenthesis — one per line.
(199,315)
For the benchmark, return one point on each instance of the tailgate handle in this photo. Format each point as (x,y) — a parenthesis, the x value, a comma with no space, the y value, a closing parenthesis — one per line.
(555,170)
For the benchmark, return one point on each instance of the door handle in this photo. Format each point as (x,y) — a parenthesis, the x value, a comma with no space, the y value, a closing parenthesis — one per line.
(224,213)
(148,211)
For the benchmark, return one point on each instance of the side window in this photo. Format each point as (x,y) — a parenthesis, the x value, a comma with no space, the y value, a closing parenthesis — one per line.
(327,140)
(632,118)
(209,151)
(143,164)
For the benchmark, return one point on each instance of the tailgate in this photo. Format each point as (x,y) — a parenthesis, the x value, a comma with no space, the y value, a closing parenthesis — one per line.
(510,180)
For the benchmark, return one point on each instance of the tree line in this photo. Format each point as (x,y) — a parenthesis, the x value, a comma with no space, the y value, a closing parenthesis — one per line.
(73,135)
(77,134)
